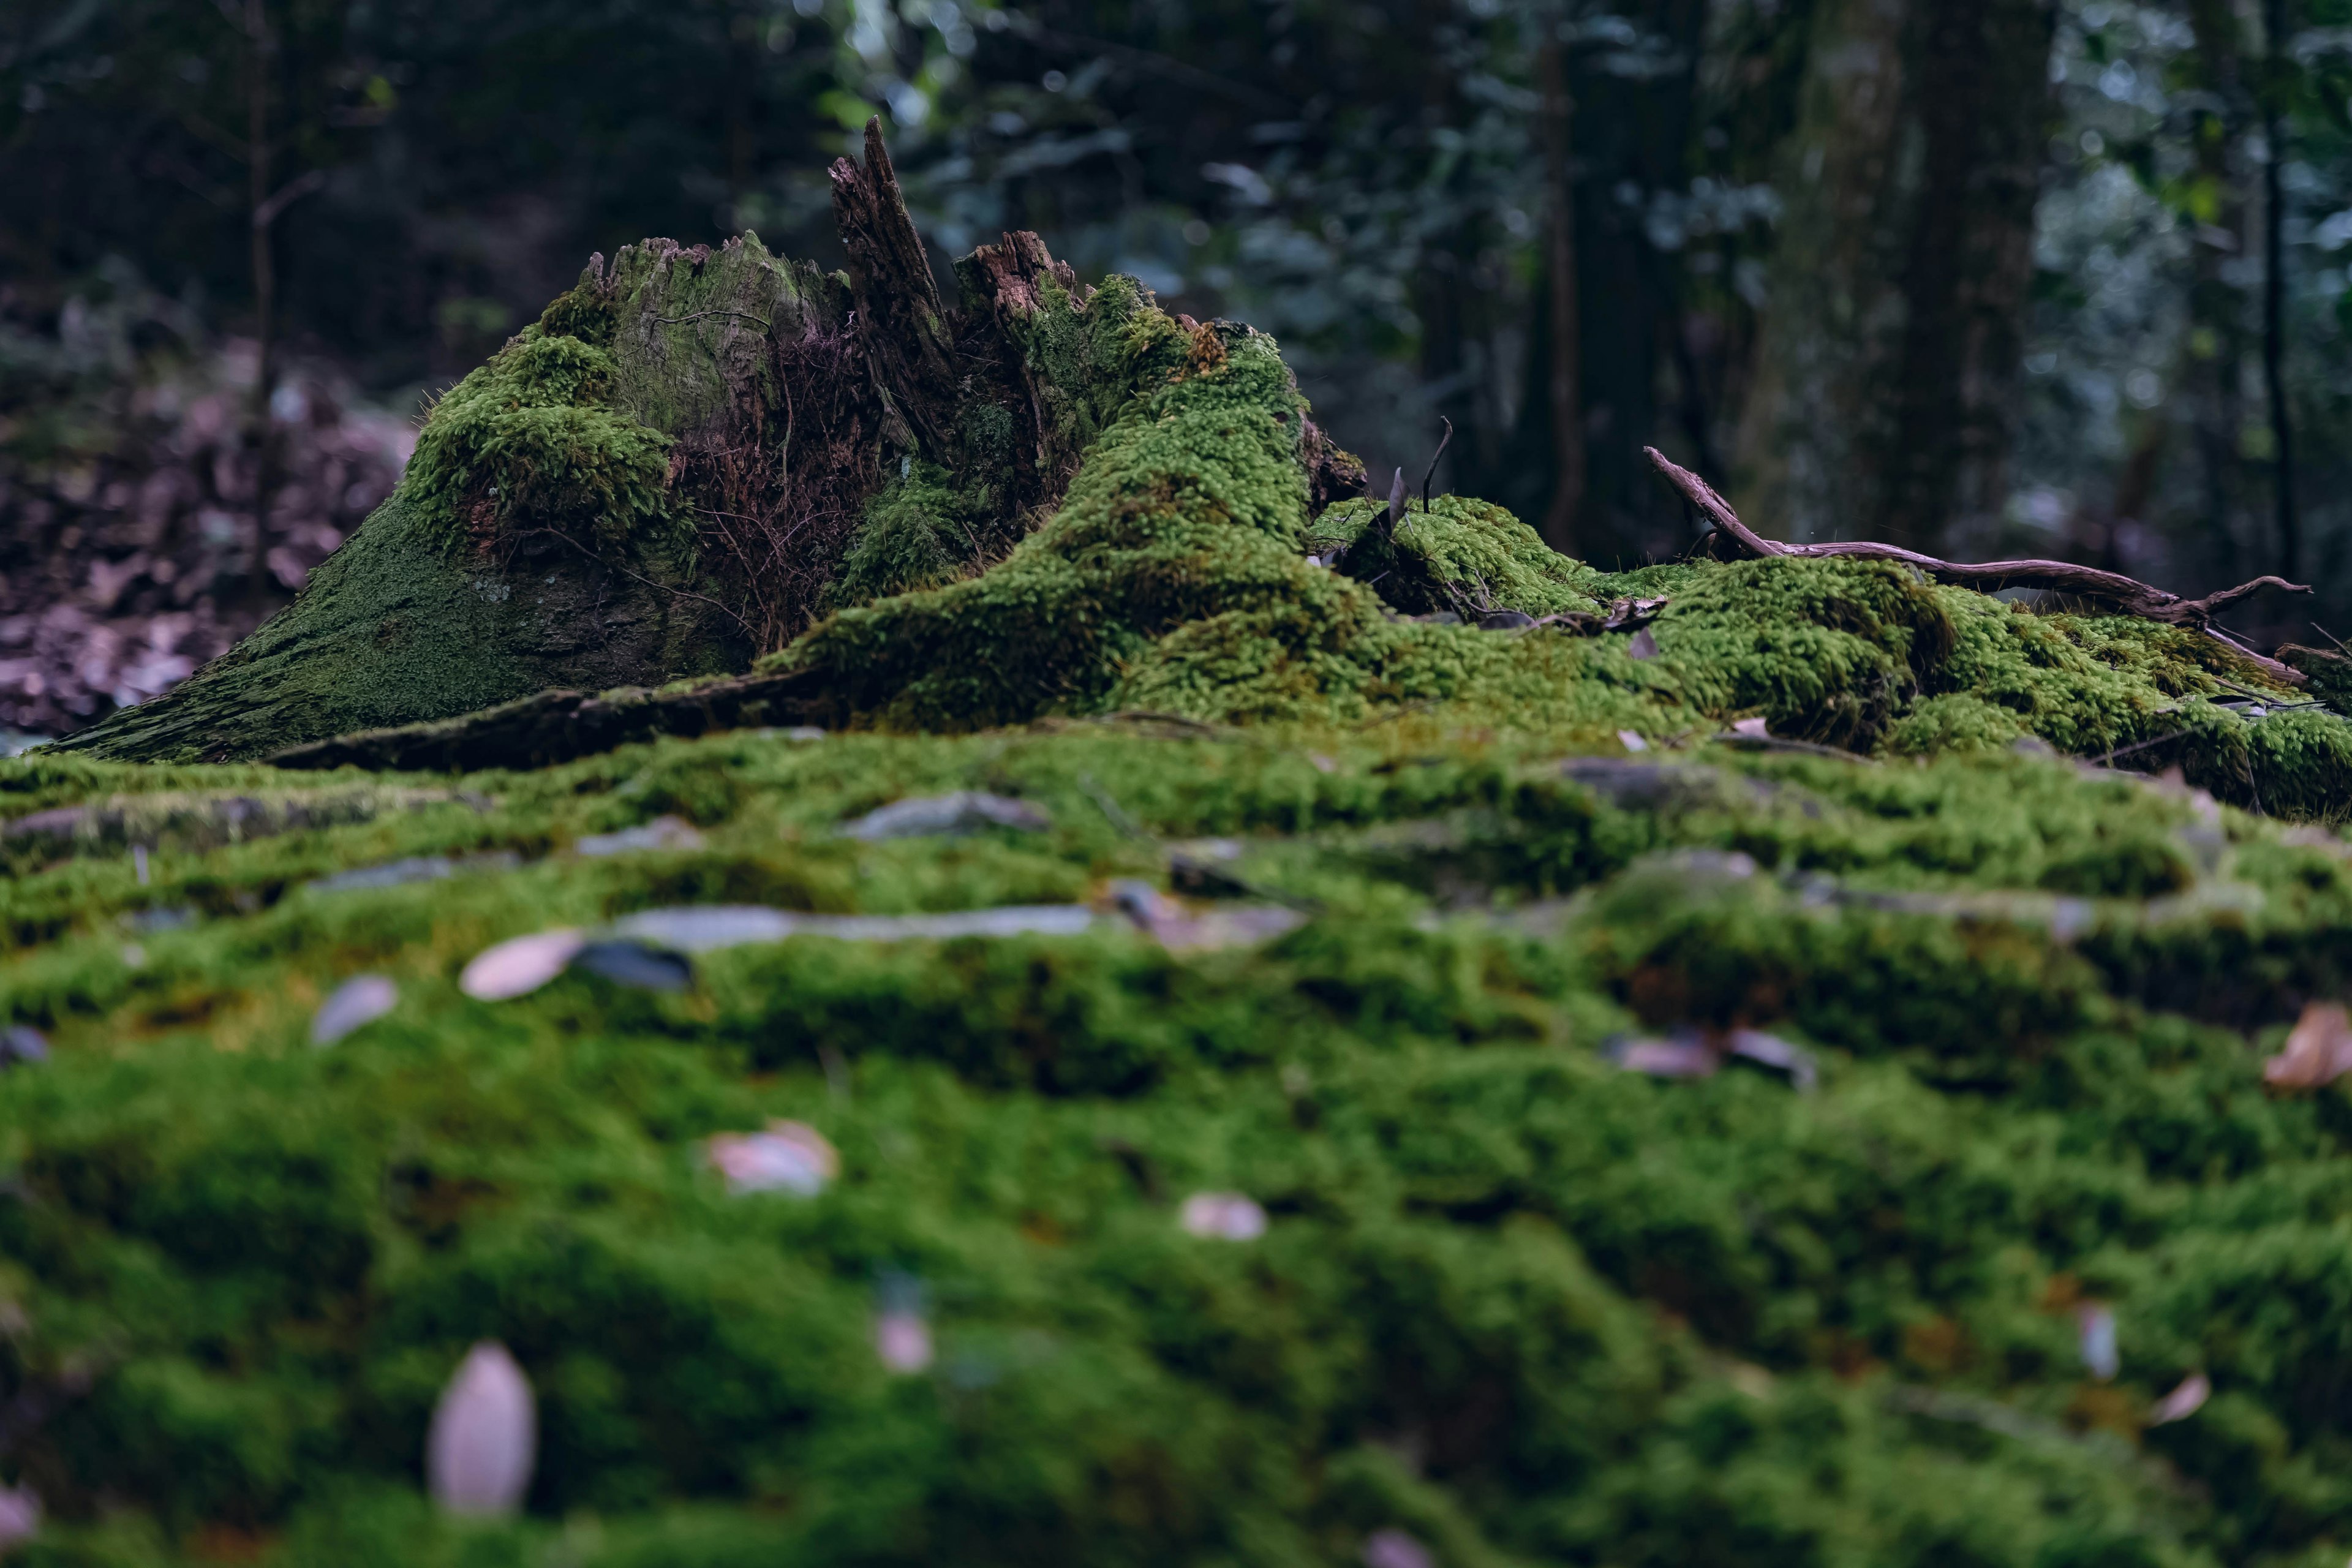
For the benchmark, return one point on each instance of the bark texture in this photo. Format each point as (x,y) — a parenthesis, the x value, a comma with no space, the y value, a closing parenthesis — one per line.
(1891,341)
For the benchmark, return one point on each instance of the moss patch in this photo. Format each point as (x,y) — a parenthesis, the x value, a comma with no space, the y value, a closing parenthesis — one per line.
(1513,1300)
(532,440)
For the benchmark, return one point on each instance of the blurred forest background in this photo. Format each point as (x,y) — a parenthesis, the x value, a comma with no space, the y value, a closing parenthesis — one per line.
(1982,277)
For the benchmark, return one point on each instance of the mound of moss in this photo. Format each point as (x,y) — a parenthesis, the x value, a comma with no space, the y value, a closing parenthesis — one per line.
(1485,1059)
(1512,1299)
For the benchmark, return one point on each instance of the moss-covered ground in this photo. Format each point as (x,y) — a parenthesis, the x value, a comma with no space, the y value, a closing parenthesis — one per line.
(1512,1299)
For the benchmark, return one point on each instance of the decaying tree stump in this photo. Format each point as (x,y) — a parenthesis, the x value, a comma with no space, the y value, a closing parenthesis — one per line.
(691,456)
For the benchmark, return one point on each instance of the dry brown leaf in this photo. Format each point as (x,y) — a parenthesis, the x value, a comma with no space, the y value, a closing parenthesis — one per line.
(2318,1049)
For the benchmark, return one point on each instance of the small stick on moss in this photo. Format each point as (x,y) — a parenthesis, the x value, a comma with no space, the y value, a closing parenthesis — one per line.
(1128,827)
(2127,593)
(2140,746)
(1434,459)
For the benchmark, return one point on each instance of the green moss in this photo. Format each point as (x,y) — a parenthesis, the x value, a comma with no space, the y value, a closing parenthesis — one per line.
(1513,1300)
(1465,555)
(1192,503)
(531,440)
(584,312)
(915,535)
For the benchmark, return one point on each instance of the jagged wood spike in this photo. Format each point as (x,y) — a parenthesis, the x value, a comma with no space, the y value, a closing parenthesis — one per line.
(900,320)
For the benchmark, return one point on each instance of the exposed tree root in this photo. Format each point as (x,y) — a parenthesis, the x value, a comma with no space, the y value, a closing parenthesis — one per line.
(556,726)
(2125,594)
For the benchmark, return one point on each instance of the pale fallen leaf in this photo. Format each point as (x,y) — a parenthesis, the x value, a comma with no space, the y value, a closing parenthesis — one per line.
(485,1435)
(964,811)
(22,1044)
(1642,646)
(20,1516)
(902,1340)
(1181,929)
(1631,741)
(661,833)
(706,928)
(1395,1549)
(520,965)
(2096,1329)
(788,1156)
(1772,1051)
(1752,729)
(362,999)
(1685,1057)
(1223,1216)
(2182,1401)
(2318,1049)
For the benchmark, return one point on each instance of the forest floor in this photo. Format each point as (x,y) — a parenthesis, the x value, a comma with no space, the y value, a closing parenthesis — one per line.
(1398,1144)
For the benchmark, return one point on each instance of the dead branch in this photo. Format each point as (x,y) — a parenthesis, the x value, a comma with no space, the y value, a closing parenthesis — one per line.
(2125,594)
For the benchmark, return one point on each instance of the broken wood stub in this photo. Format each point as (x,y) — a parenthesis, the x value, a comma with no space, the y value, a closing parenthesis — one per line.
(900,321)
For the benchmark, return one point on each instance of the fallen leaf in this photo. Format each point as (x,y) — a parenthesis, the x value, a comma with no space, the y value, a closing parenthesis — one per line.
(1395,1549)
(2095,1330)
(788,1156)
(2318,1049)
(1643,646)
(520,965)
(1179,930)
(1631,741)
(362,999)
(1223,1216)
(1752,730)
(704,927)
(965,811)
(485,1436)
(661,833)
(1685,1057)
(2182,1401)
(22,1044)
(20,1516)
(1772,1051)
(903,1340)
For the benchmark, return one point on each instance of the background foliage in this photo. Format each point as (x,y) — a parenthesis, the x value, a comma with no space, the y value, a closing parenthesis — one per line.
(1375,182)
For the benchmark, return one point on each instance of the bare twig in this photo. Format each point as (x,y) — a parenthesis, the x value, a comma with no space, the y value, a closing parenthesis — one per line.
(1434,459)
(2125,594)
(2141,746)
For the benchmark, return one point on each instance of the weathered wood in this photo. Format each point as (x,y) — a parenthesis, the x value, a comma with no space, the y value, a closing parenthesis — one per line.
(556,726)
(900,321)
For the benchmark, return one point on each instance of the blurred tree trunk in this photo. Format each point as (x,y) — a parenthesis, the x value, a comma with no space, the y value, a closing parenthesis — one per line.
(1562,361)
(1607,314)
(2214,376)
(2277,69)
(1889,356)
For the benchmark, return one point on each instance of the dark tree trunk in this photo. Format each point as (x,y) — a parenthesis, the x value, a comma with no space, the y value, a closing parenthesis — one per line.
(2213,376)
(1563,357)
(1890,352)
(1617,319)
(2290,530)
